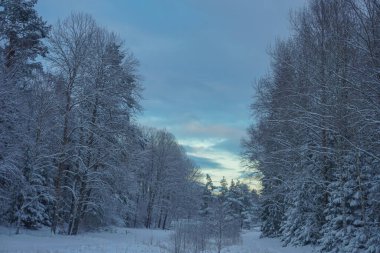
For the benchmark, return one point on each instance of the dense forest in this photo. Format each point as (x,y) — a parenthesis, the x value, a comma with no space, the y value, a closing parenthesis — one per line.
(72,154)
(315,132)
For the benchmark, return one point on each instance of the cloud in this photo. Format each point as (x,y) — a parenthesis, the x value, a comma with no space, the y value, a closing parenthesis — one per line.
(217,130)
(215,161)
(230,145)
(199,144)
(206,163)
(227,160)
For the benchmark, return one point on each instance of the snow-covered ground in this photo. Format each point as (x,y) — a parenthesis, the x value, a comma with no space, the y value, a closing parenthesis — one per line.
(252,243)
(116,240)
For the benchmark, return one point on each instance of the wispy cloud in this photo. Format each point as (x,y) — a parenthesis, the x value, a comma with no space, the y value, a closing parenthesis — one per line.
(213,160)
(206,163)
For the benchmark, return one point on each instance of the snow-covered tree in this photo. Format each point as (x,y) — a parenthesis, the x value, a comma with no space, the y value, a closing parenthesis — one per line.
(313,140)
(21,34)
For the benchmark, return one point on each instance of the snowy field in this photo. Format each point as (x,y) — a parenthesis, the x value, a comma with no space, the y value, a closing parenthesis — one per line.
(116,240)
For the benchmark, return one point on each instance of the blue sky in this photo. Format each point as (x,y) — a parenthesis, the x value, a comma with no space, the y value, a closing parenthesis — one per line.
(199,60)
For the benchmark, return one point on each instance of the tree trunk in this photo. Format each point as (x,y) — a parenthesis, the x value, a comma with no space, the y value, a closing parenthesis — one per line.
(61,166)
(165,218)
(159,219)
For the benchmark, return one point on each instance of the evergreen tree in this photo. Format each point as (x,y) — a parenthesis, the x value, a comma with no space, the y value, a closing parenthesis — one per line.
(21,31)
(208,197)
(313,140)
(223,190)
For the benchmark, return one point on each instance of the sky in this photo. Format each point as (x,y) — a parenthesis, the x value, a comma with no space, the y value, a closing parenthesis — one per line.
(199,60)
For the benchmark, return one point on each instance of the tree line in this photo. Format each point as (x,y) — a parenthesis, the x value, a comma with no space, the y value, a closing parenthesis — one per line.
(315,135)
(71,152)
(224,211)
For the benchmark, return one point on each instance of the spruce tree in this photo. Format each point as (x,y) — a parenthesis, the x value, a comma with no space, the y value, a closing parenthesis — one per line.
(22,32)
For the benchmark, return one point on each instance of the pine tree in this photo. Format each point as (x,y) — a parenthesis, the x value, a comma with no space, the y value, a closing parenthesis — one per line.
(22,31)
(208,197)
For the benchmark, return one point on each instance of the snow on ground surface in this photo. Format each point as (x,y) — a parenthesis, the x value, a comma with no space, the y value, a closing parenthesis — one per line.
(252,243)
(116,240)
